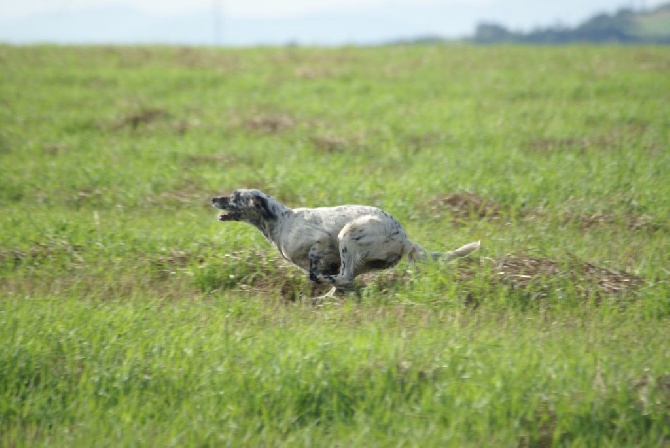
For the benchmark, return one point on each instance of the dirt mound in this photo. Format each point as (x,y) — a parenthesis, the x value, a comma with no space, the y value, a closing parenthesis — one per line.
(542,274)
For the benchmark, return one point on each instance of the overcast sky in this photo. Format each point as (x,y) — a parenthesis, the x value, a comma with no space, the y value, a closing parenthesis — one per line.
(276,8)
(277,22)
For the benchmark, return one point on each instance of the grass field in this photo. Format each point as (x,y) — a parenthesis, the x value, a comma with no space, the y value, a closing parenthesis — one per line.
(130,317)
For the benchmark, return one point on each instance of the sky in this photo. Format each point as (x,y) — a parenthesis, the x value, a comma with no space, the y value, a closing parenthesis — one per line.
(240,8)
(262,8)
(249,22)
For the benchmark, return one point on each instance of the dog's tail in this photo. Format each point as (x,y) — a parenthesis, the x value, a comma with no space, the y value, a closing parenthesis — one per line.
(418,253)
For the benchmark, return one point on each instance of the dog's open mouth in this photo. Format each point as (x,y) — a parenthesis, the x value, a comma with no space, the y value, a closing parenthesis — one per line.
(223,203)
(228,217)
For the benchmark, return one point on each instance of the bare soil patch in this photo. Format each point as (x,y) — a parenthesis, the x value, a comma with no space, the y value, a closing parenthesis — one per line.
(220,159)
(142,117)
(542,276)
(617,138)
(332,143)
(271,124)
(40,252)
(55,149)
(630,221)
(417,142)
(545,144)
(168,264)
(464,206)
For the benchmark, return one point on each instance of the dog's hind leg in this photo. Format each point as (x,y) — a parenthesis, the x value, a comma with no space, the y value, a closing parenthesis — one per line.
(367,243)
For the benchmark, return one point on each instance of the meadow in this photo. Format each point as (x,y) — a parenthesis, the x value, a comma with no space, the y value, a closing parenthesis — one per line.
(130,317)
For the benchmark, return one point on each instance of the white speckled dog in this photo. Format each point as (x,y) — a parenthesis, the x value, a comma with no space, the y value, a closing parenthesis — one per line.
(333,244)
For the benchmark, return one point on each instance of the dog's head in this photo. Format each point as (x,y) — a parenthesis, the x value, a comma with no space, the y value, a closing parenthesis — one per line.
(252,206)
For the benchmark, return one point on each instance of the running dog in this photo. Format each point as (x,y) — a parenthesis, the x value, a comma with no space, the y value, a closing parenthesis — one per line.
(333,244)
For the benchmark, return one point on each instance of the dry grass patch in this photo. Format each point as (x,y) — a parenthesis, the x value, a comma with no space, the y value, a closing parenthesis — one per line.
(630,221)
(331,143)
(150,119)
(140,118)
(40,252)
(254,271)
(220,159)
(270,124)
(653,393)
(619,137)
(542,276)
(545,421)
(418,142)
(168,264)
(269,274)
(55,149)
(464,206)
(547,144)
(387,280)
(191,273)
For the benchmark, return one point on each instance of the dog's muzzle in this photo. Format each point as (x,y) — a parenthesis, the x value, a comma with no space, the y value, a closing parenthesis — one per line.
(223,203)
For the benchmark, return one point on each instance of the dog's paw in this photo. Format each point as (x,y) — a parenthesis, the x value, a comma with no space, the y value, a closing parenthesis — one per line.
(314,278)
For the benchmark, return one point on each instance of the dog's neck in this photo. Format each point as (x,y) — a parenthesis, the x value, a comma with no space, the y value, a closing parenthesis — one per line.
(270,224)
(272,230)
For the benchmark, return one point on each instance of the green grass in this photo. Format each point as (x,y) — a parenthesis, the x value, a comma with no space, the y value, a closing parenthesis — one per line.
(130,317)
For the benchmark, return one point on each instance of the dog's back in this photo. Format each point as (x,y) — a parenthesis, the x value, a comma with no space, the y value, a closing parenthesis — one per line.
(333,219)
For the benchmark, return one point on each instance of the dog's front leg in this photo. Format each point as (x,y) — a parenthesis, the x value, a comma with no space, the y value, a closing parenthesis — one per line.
(346,274)
(314,259)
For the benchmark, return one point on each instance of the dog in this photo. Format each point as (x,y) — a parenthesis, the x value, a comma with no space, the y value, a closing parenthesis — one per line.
(333,244)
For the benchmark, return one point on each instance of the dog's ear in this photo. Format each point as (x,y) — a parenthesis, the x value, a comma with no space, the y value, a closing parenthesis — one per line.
(256,202)
(261,204)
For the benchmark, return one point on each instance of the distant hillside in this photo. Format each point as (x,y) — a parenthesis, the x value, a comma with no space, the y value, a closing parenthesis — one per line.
(623,27)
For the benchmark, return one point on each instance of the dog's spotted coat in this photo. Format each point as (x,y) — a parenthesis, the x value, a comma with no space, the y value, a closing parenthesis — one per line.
(333,244)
